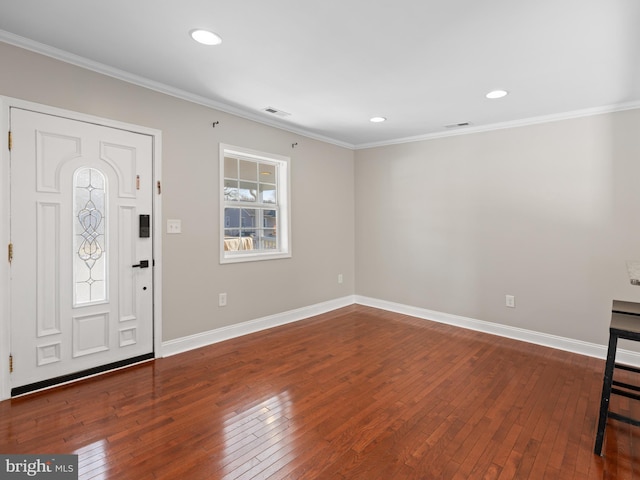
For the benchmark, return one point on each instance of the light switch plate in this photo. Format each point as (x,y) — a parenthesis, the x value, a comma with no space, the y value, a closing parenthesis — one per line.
(174,226)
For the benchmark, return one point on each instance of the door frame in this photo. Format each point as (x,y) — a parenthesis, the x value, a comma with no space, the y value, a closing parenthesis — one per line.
(5,321)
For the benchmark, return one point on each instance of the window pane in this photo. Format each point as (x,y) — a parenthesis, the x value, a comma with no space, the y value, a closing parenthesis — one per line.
(248,170)
(231,192)
(248,218)
(248,191)
(232,221)
(230,167)
(269,239)
(235,244)
(269,219)
(267,172)
(268,193)
(90,266)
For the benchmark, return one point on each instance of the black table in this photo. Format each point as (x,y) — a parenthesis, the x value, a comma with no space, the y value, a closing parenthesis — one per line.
(625,323)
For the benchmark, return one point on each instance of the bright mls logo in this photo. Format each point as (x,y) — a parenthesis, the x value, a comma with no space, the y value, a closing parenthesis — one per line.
(51,467)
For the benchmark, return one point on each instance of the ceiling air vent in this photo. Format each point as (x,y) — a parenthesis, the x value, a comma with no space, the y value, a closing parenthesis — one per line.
(275,111)
(458,125)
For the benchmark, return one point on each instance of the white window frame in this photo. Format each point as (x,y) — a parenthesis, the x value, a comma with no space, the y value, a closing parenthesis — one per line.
(283,225)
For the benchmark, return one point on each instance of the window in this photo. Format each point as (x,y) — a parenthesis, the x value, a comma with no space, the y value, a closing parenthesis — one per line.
(89,228)
(254,203)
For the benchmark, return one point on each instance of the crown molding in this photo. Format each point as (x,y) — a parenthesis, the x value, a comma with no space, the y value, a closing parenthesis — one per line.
(140,81)
(587,112)
(103,69)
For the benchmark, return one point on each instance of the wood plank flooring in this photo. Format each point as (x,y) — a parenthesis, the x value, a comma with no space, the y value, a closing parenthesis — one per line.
(357,393)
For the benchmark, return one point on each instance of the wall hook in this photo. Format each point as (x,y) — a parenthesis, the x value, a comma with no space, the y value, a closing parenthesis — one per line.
(215,123)
(294,145)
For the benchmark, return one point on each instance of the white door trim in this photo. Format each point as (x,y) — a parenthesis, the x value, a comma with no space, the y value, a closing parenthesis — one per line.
(5,104)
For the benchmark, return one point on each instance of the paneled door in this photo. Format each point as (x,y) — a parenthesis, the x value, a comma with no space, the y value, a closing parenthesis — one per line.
(82,267)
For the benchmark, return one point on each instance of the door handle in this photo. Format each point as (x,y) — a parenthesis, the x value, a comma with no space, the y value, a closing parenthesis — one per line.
(142,264)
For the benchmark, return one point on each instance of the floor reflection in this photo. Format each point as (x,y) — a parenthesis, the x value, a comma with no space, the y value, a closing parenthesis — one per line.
(253,436)
(92,460)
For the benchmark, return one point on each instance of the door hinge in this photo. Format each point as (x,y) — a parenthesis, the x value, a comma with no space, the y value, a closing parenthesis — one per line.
(159,187)
(10,252)
(10,140)
(10,363)
(137,182)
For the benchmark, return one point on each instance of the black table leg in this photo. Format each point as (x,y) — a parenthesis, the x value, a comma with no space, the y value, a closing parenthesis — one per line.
(606,392)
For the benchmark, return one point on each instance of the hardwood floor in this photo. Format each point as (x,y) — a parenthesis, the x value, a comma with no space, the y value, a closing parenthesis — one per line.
(353,394)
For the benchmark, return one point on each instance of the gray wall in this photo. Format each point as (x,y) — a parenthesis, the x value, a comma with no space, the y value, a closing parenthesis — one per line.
(549,213)
(322,196)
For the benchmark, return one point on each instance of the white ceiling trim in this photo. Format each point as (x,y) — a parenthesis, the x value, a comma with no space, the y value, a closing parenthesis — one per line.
(97,67)
(503,125)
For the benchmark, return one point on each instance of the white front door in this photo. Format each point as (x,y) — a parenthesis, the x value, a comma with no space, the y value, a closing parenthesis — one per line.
(81,297)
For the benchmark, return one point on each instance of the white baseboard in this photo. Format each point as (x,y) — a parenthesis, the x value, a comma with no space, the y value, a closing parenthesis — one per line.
(184,344)
(179,345)
(627,357)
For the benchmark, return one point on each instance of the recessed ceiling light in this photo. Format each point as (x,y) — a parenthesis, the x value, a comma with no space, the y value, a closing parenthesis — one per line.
(497,94)
(377,119)
(206,37)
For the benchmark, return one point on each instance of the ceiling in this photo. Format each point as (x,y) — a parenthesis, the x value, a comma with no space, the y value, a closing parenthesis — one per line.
(333,64)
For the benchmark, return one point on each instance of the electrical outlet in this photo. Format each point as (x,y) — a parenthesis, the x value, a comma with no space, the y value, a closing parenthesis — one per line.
(340,279)
(222,299)
(510,301)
